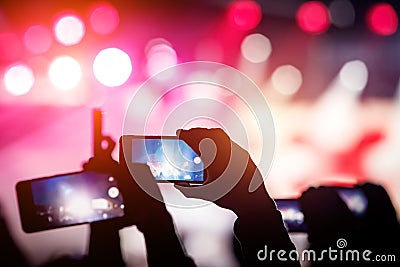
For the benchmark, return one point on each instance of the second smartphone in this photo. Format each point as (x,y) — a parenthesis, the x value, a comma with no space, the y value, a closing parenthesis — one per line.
(68,199)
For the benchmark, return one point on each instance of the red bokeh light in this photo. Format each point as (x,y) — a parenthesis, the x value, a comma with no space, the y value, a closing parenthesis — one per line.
(245,15)
(10,47)
(382,19)
(313,17)
(38,39)
(104,18)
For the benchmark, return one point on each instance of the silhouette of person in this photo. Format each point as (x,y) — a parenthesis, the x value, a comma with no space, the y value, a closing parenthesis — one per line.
(329,219)
(379,228)
(104,248)
(10,254)
(162,244)
(259,223)
(229,168)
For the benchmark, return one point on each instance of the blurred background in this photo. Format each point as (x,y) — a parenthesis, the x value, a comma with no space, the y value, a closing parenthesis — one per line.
(328,69)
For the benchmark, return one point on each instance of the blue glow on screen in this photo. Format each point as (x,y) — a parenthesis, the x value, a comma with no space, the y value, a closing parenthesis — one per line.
(169,159)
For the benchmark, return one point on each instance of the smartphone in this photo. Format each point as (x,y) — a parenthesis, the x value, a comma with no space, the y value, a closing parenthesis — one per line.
(293,217)
(170,159)
(68,199)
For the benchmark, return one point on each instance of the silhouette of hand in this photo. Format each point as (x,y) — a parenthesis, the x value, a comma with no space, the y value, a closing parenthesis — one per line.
(230,172)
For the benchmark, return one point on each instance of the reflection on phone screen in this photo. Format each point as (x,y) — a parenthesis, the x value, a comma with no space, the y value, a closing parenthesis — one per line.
(169,159)
(76,198)
(355,199)
(293,217)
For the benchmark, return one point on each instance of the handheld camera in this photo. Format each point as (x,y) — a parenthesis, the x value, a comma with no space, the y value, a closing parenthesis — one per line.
(71,198)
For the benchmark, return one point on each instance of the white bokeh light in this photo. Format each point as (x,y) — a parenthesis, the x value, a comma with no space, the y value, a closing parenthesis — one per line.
(112,67)
(256,48)
(19,79)
(287,79)
(159,58)
(65,72)
(113,192)
(354,75)
(69,30)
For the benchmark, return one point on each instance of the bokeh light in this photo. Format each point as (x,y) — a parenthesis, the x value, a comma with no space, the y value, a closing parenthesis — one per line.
(382,19)
(256,48)
(354,75)
(10,46)
(160,55)
(104,18)
(65,72)
(69,30)
(313,17)
(245,15)
(112,67)
(342,13)
(287,79)
(19,79)
(38,39)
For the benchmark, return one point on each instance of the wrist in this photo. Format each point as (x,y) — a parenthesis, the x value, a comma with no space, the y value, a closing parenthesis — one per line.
(156,224)
(257,203)
(162,243)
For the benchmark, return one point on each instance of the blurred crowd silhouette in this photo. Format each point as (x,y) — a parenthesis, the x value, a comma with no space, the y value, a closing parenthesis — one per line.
(364,225)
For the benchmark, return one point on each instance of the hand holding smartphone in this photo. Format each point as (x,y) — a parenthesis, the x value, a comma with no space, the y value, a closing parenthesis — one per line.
(73,198)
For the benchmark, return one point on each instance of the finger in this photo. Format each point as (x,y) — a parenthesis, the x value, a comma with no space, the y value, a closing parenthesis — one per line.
(185,136)
(201,141)
(192,137)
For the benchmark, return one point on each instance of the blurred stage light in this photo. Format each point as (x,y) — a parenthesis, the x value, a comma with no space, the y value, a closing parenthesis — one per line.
(342,13)
(38,39)
(100,204)
(10,46)
(19,79)
(104,18)
(65,72)
(69,30)
(354,75)
(113,192)
(382,19)
(335,117)
(287,79)
(160,55)
(245,15)
(313,17)
(79,205)
(112,67)
(256,48)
